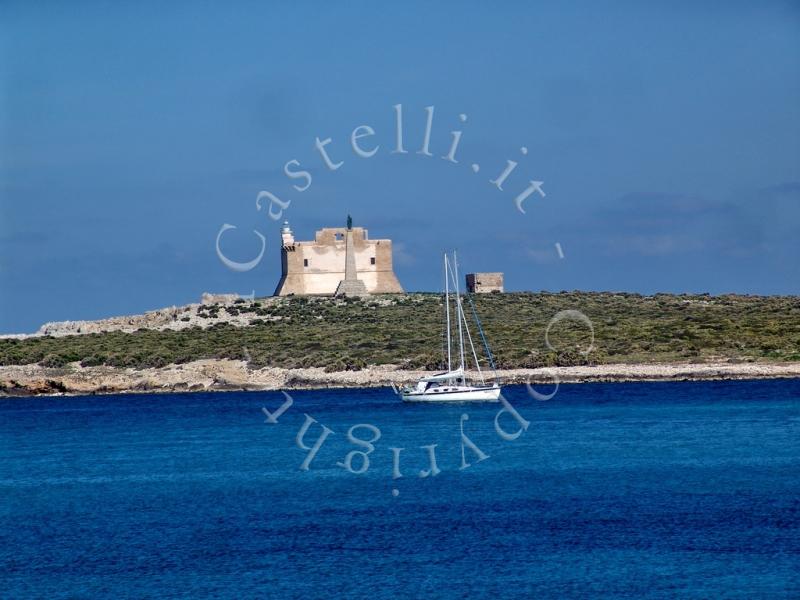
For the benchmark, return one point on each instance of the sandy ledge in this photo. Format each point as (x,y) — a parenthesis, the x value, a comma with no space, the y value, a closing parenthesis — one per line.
(229,375)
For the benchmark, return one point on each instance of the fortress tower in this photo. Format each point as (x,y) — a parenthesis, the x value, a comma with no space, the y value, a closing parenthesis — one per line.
(340,260)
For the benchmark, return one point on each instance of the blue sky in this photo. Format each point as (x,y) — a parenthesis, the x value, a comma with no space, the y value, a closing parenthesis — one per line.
(667,135)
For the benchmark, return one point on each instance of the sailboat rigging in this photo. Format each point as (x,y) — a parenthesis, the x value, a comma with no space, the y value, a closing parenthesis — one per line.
(452,385)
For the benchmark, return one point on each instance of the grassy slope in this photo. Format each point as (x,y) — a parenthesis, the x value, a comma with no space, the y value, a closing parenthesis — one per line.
(301,332)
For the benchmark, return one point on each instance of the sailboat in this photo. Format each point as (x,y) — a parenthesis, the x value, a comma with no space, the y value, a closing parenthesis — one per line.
(452,385)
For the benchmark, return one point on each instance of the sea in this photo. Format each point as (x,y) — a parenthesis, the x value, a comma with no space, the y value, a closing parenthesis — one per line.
(612,490)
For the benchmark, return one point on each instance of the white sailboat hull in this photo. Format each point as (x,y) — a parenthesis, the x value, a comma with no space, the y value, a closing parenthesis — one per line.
(455,394)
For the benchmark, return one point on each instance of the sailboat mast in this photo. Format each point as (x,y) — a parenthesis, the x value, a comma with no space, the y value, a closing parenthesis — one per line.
(447,313)
(459,313)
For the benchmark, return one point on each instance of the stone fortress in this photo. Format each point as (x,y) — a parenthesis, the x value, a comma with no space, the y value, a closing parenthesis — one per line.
(341,261)
(484,283)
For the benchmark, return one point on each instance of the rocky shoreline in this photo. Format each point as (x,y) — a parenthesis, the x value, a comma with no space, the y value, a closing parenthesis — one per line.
(232,375)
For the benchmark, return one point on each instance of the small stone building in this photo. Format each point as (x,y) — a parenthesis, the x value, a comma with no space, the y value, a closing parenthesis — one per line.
(318,267)
(484,283)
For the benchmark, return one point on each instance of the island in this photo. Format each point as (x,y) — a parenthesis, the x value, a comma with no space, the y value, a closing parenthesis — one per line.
(230,343)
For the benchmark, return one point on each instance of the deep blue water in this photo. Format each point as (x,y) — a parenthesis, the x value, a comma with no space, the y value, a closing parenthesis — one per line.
(627,490)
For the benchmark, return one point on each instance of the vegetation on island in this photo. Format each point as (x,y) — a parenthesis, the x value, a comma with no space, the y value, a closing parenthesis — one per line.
(406,330)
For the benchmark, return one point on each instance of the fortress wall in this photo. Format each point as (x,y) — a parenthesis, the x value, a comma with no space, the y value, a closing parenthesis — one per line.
(325,265)
(484,283)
